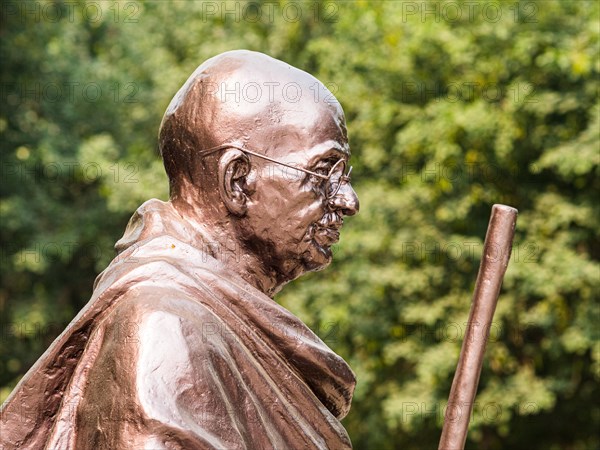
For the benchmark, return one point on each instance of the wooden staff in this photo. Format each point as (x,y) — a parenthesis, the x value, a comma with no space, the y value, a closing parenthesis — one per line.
(496,254)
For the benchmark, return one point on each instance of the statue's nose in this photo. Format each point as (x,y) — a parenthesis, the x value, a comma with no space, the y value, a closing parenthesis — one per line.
(345,200)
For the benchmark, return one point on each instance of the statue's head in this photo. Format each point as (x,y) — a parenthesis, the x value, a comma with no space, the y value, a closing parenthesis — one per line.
(261,148)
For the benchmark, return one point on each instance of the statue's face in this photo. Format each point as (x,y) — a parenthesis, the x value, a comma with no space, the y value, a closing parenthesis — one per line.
(252,102)
(291,221)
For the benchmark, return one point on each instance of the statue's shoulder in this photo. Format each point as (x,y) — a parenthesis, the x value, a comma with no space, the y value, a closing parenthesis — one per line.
(165,294)
(144,299)
(148,312)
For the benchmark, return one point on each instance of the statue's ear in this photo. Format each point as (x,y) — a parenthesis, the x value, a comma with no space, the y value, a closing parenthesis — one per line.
(234,167)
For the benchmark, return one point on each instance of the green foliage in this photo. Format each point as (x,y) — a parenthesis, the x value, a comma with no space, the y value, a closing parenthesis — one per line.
(447,115)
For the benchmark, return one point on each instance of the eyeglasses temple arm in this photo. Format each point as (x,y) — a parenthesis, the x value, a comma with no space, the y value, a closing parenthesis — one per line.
(258,155)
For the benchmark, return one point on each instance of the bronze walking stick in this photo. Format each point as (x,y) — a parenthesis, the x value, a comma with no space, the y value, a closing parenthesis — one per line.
(496,254)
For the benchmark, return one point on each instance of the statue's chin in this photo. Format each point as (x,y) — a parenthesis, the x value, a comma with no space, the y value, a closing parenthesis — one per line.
(318,257)
(315,253)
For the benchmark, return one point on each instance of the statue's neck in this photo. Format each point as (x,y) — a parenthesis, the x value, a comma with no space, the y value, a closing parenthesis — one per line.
(219,238)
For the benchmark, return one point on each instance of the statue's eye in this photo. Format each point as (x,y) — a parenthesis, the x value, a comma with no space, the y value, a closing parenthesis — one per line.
(324,167)
(322,170)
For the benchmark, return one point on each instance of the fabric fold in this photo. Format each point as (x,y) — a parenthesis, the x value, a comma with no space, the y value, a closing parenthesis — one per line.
(173,349)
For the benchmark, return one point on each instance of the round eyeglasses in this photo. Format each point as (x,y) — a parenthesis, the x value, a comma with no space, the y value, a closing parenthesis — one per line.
(335,179)
(337,176)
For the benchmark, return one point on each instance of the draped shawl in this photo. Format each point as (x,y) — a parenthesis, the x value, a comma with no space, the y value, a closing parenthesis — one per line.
(173,351)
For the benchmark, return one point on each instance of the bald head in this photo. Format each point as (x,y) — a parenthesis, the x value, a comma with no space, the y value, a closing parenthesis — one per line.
(247,99)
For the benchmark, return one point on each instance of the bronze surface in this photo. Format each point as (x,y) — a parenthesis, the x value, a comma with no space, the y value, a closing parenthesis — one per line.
(494,261)
(181,345)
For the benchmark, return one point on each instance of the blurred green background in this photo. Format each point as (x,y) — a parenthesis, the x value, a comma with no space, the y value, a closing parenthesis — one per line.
(451,107)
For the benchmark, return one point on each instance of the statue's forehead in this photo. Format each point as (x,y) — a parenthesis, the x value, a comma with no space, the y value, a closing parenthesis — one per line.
(270,101)
(325,150)
(274,120)
(253,100)
(253,84)
(294,136)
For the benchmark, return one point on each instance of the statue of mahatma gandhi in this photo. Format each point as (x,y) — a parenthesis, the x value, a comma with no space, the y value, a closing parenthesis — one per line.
(181,345)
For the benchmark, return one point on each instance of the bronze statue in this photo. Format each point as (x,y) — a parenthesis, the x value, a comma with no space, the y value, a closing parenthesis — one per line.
(181,345)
